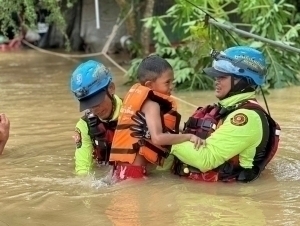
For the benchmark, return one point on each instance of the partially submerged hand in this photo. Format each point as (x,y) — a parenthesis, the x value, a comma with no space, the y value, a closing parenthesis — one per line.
(4,131)
(4,127)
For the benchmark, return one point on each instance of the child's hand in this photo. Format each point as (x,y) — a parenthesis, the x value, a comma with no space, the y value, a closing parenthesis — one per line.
(4,127)
(197,141)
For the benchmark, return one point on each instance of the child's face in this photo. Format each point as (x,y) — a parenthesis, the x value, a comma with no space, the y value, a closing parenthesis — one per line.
(164,83)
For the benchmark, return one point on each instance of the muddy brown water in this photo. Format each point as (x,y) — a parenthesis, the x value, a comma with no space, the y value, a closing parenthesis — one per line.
(38,186)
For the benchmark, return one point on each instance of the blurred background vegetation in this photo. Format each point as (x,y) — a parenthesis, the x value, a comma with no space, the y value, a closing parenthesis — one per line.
(175,30)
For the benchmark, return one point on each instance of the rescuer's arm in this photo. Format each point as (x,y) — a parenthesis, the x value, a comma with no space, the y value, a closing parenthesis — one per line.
(232,138)
(84,149)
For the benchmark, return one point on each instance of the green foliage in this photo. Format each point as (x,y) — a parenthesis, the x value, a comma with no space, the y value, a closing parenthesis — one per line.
(132,70)
(26,9)
(296,14)
(272,21)
(263,17)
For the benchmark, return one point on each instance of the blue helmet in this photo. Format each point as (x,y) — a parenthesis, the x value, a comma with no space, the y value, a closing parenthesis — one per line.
(89,83)
(241,61)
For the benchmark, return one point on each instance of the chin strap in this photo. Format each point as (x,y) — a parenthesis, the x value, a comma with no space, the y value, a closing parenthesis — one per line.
(243,86)
(113,102)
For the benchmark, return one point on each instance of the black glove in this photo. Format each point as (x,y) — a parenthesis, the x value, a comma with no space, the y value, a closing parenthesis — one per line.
(93,122)
(140,130)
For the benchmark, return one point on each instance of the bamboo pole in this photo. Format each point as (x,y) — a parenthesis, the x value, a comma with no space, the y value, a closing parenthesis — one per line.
(257,37)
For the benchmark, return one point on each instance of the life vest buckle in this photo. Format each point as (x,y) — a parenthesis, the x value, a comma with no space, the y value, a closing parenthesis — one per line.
(141,142)
(207,124)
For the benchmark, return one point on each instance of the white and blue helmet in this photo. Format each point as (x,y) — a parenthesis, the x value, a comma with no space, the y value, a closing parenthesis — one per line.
(239,61)
(89,83)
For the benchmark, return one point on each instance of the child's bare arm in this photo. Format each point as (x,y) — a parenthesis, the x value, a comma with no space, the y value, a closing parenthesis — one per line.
(153,119)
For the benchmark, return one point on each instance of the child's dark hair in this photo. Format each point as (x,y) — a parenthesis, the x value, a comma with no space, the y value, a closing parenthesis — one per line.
(152,68)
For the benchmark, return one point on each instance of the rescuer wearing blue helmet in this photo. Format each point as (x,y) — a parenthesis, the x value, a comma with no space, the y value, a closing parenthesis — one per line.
(91,84)
(240,136)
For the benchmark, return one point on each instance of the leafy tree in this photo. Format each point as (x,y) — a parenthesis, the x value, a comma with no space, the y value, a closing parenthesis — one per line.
(263,17)
(26,10)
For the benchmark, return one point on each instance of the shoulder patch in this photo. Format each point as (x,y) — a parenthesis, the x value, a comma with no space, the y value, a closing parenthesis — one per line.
(77,138)
(239,119)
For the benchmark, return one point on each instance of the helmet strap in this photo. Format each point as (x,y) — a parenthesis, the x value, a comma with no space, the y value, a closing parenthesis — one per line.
(242,86)
(113,101)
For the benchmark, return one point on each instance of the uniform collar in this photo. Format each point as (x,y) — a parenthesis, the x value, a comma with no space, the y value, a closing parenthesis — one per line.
(233,100)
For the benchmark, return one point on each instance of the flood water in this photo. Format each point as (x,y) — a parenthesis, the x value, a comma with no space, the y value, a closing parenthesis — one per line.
(38,186)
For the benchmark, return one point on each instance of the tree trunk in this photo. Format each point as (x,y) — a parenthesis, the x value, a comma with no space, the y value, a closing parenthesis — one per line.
(130,22)
(146,32)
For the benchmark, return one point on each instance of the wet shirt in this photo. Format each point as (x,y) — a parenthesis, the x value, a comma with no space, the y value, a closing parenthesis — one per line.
(240,134)
(84,146)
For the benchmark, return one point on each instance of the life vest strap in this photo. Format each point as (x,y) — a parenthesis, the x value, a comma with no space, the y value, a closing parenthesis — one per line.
(152,147)
(200,127)
(177,118)
(123,126)
(204,124)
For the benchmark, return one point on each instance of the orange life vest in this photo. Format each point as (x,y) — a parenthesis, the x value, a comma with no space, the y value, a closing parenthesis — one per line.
(124,146)
(206,120)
